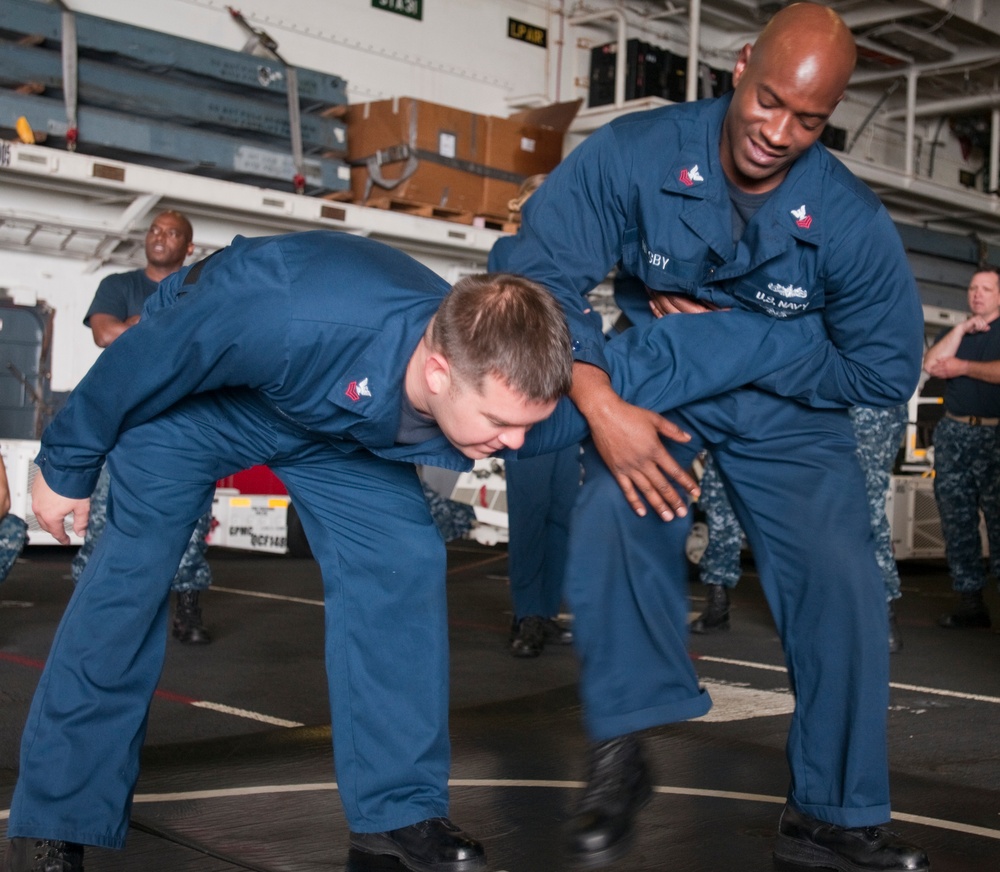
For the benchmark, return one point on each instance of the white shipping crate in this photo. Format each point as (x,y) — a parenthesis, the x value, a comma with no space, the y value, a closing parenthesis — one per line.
(249,522)
(485,489)
(914,519)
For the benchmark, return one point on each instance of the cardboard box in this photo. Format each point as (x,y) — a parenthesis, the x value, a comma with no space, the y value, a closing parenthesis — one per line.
(413,151)
(523,145)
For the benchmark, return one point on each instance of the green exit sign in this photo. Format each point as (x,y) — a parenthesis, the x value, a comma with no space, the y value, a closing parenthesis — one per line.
(410,8)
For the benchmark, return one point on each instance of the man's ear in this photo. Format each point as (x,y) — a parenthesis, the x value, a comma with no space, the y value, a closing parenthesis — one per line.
(741,63)
(437,373)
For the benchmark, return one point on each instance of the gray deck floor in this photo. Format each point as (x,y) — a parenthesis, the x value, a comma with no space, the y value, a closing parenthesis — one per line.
(222,789)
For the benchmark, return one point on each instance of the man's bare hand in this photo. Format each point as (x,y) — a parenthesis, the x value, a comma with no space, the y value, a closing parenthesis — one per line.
(976,324)
(947,367)
(676,304)
(51,510)
(629,440)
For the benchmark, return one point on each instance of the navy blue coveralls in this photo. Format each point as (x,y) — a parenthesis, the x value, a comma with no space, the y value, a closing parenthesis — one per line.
(290,352)
(287,351)
(647,193)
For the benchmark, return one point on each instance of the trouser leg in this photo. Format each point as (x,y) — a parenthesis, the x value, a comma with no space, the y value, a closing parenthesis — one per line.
(956,490)
(383,566)
(81,743)
(720,564)
(96,521)
(13,534)
(626,583)
(879,433)
(988,478)
(193,571)
(540,495)
(799,493)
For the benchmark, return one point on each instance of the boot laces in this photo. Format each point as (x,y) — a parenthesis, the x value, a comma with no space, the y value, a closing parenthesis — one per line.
(52,856)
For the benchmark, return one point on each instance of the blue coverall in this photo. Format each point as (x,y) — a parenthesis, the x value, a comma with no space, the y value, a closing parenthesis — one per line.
(647,193)
(287,351)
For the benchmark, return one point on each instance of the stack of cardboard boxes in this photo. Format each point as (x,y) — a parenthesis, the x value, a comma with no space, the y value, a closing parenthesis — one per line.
(434,160)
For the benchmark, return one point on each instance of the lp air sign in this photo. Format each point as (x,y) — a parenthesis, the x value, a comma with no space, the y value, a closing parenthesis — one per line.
(525,32)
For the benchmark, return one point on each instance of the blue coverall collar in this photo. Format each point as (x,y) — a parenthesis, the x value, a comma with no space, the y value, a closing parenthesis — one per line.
(793,212)
(371,391)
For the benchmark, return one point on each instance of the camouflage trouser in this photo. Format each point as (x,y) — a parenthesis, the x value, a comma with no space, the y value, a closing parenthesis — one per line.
(452,519)
(967,480)
(879,433)
(13,534)
(720,564)
(193,573)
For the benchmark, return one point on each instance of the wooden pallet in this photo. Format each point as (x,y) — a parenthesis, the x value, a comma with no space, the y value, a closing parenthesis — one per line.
(441,213)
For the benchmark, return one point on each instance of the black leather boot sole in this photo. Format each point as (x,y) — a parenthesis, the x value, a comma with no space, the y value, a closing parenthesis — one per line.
(432,845)
(805,842)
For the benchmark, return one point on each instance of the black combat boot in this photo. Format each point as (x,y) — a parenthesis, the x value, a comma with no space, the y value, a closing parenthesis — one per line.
(618,785)
(188,627)
(807,843)
(895,640)
(971,612)
(527,637)
(43,855)
(716,614)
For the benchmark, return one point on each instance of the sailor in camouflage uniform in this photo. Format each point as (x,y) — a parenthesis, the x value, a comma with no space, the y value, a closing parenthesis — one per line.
(13,530)
(966,447)
(116,307)
(879,433)
(719,567)
(193,573)
(13,534)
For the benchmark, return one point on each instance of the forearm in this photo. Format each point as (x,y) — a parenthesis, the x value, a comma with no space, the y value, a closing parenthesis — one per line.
(107,328)
(4,491)
(674,361)
(947,346)
(983,370)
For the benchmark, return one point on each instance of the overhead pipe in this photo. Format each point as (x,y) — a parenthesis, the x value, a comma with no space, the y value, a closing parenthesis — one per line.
(911,127)
(694,47)
(994,151)
(951,105)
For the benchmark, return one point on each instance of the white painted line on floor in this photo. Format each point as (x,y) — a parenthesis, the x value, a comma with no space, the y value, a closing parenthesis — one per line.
(313,602)
(228,792)
(937,691)
(244,713)
(326,786)
(915,688)
(748,663)
(269,596)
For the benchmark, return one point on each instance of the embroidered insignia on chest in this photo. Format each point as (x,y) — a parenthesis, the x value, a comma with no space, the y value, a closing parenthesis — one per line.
(801,219)
(690,176)
(357,390)
(786,290)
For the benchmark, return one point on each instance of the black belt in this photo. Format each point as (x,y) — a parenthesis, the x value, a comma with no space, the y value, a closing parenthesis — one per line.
(974,420)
